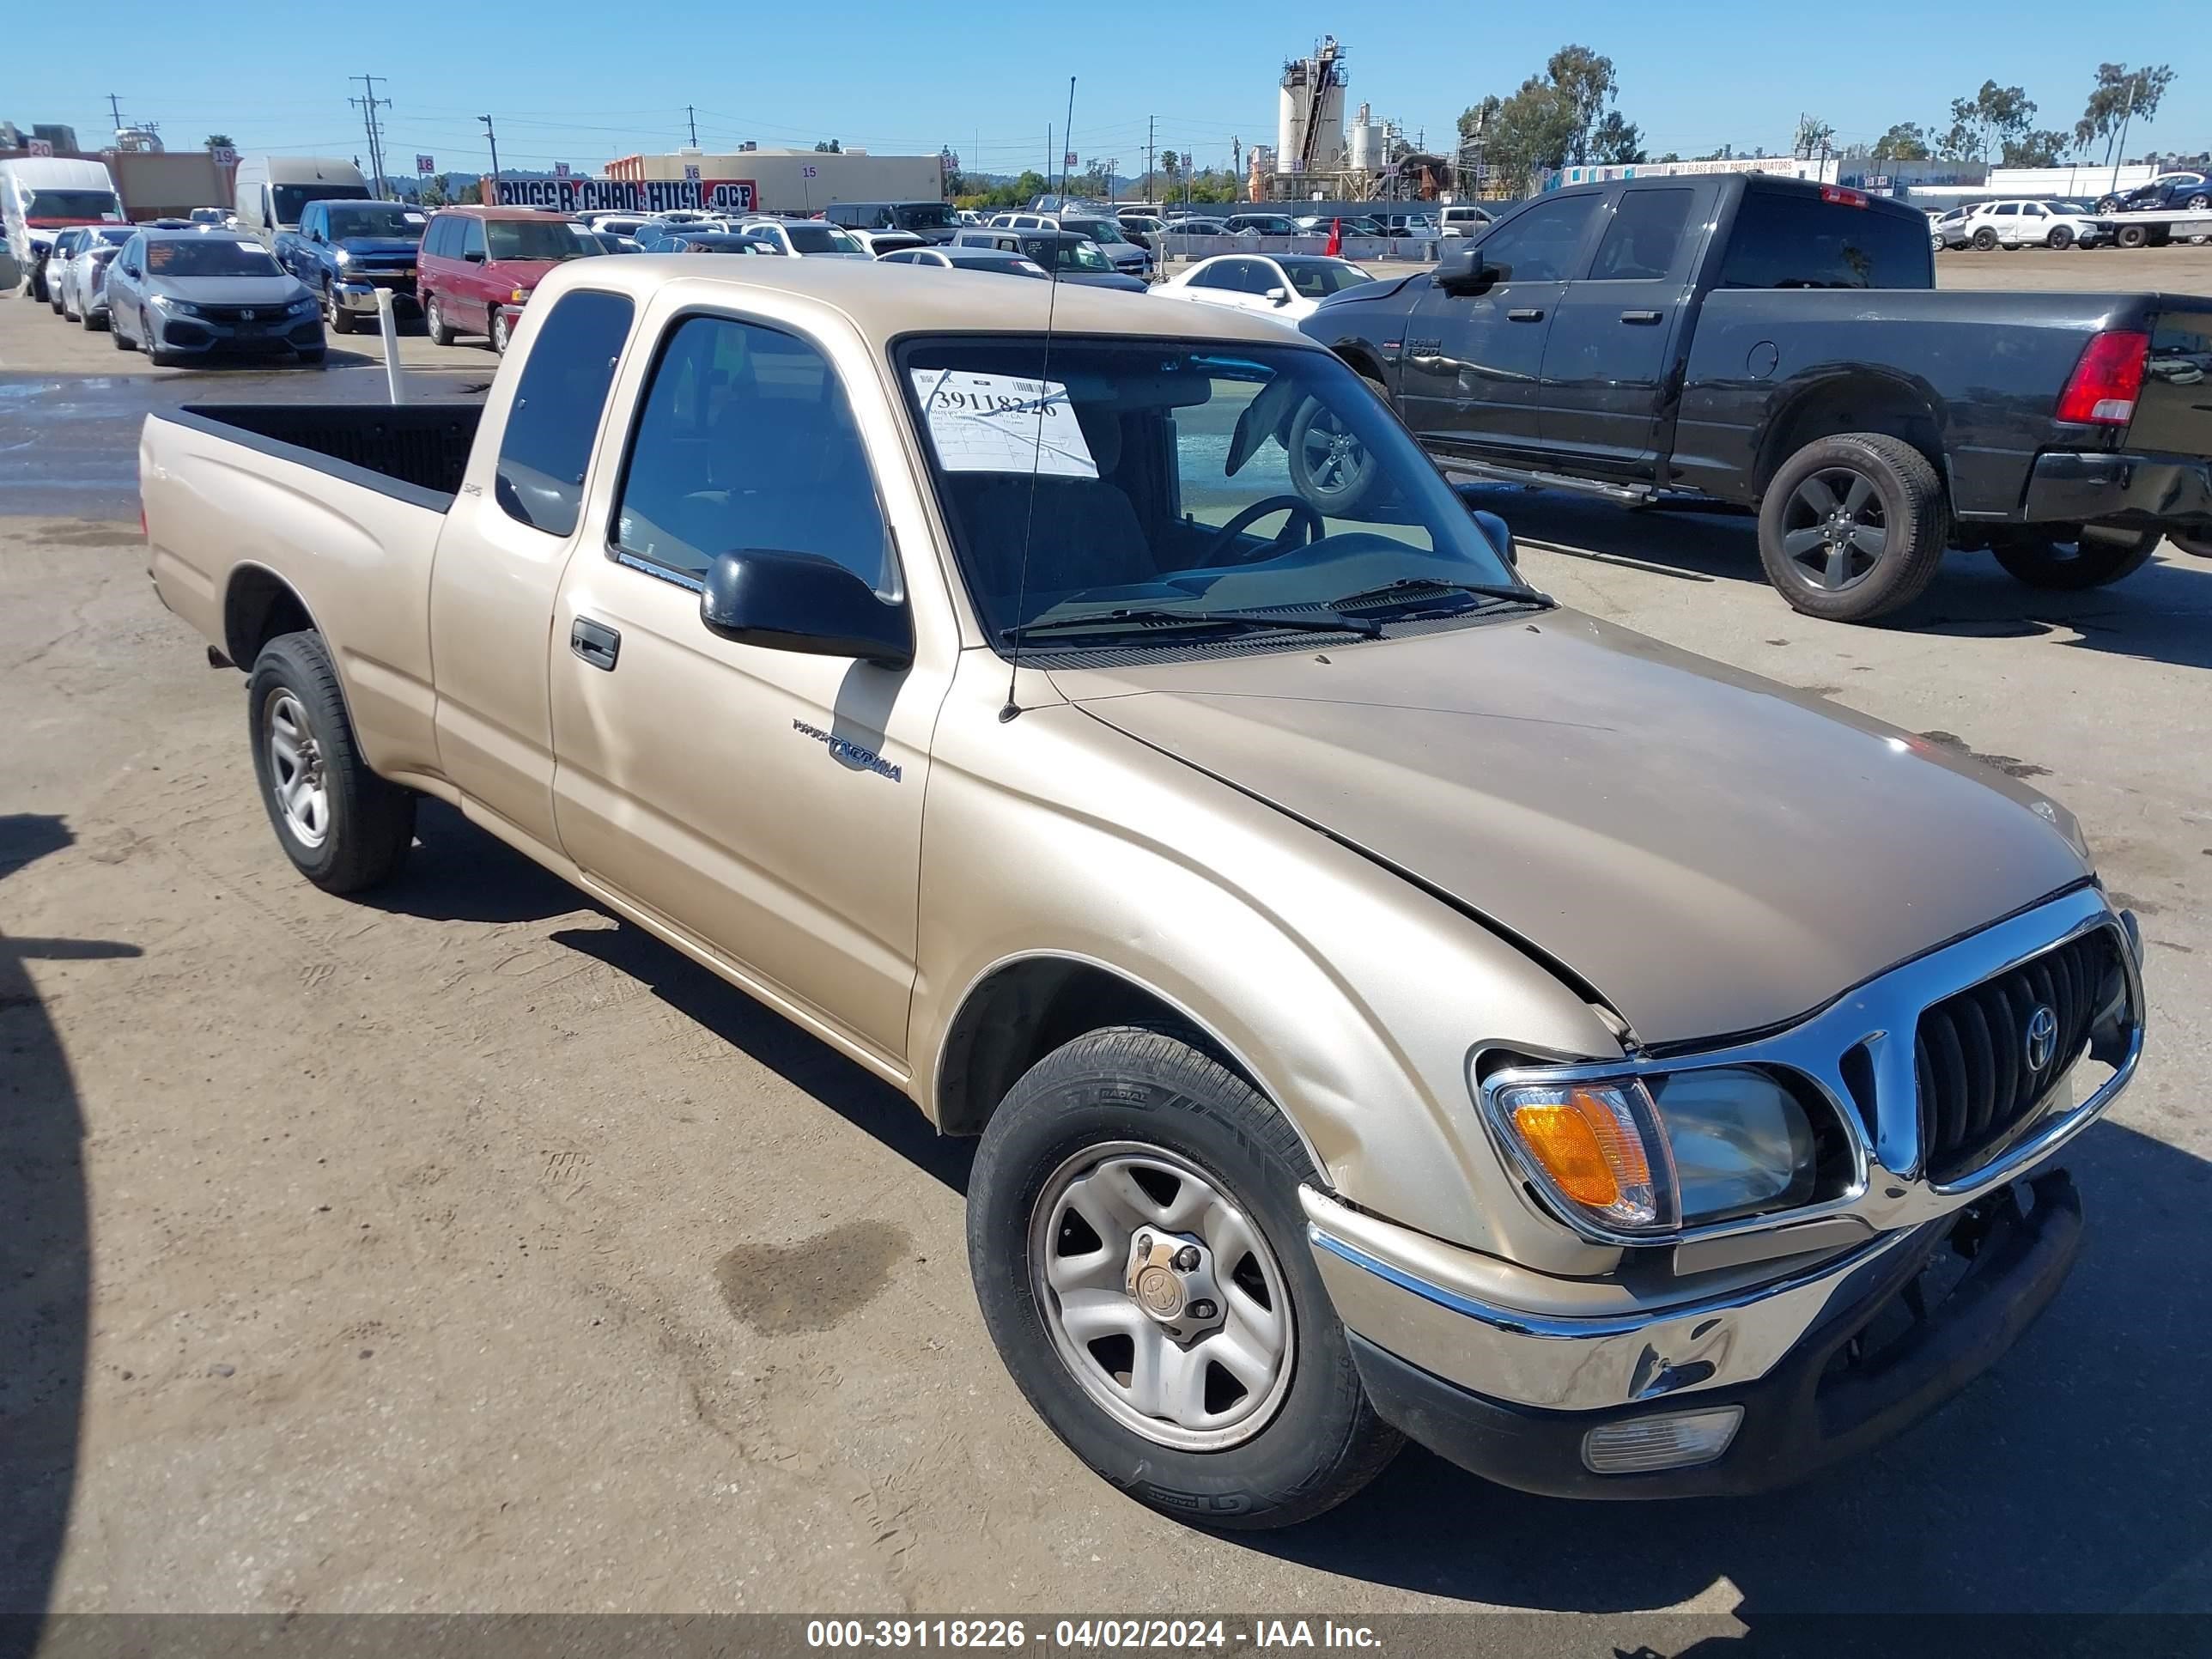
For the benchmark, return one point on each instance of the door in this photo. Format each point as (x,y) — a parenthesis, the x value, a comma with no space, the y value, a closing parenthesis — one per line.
(507,539)
(1616,335)
(765,805)
(2034,224)
(471,288)
(1473,368)
(2004,219)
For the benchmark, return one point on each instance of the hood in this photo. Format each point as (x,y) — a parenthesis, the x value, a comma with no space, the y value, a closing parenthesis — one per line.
(228,291)
(367,247)
(524,273)
(1714,853)
(1117,280)
(1381,289)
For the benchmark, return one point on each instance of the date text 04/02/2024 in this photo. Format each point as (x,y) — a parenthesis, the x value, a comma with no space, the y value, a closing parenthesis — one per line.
(1260,1636)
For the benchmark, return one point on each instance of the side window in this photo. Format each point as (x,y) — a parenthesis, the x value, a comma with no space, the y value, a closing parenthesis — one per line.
(2031,211)
(548,441)
(1640,243)
(745,440)
(1206,275)
(472,237)
(438,243)
(2006,209)
(1538,244)
(310,221)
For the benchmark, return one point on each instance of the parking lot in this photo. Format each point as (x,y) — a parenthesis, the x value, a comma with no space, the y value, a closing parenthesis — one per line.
(465,1249)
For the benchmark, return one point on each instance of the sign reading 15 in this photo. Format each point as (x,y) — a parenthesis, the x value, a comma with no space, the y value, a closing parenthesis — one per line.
(806,172)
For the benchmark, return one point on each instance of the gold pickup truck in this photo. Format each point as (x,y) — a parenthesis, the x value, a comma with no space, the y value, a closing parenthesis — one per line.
(1391,1004)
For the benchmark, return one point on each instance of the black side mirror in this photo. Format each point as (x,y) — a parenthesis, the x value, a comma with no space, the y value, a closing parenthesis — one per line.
(805,602)
(474,256)
(1495,530)
(1461,269)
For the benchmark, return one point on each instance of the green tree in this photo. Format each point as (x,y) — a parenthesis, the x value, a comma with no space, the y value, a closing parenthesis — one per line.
(1906,142)
(2120,95)
(218,141)
(1992,116)
(433,192)
(1585,81)
(1614,142)
(2041,148)
(829,146)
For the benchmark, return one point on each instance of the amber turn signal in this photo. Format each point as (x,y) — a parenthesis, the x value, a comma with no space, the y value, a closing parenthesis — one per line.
(1588,1142)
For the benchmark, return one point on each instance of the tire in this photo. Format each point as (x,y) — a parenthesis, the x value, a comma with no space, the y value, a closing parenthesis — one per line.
(116,334)
(2131,235)
(496,331)
(433,320)
(2093,558)
(1331,468)
(1307,1442)
(355,830)
(2196,546)
(311,357)
(2198,203)
(1985,239)
(1853,570)
(39,286)
(91,322)
(335,317)
(2060,237)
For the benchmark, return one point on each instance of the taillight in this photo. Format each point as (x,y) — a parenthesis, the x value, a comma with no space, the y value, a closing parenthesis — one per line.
(2101,391)
(1842,198)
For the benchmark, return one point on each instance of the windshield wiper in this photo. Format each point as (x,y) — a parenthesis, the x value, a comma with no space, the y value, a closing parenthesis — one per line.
(1149,618)
(1495,591)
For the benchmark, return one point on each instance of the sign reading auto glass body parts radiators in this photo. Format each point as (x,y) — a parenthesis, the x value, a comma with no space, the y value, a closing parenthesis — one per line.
(1002,424)
(629,195)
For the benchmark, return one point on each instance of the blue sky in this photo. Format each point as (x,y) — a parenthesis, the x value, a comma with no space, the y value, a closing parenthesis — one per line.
(573,82)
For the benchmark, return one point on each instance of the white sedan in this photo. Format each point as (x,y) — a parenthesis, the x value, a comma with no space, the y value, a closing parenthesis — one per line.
(804,238)
(1286,286)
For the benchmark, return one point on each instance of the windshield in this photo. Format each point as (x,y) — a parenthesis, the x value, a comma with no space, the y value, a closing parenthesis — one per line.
(1098,230)
(72,205)
(378,218)
(206,256)
(290,198)
(1177,476)
(922,216)
(811,238)
(1071,255)
(107,236)
(1316,278)
(532,239)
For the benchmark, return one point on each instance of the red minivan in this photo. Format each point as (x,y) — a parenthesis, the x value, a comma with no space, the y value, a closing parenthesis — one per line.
(478,263)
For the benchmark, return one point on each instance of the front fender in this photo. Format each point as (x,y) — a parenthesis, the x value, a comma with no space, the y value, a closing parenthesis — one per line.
(1353,998)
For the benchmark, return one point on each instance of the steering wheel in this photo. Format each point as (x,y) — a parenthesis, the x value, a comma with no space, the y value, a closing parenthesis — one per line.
(1301,510)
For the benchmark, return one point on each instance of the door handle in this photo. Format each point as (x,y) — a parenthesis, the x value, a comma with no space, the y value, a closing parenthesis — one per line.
(595,642)
(1639,316)
(1524,316)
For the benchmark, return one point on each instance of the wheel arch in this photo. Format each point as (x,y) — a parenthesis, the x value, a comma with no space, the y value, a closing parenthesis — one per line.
(1856,399)
(1022,1007)
(257,606)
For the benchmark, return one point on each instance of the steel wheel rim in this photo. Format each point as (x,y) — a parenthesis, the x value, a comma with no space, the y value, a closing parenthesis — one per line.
(431,320)
(1334,459)
(296,770)
(1835,530)
(1220,1381)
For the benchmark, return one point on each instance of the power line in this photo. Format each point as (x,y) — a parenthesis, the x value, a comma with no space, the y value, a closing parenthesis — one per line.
(368,104)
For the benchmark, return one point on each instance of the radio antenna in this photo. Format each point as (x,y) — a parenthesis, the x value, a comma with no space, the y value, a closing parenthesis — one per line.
(1037,453)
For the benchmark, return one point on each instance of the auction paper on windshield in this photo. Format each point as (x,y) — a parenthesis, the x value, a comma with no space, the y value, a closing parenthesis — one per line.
(1002,424)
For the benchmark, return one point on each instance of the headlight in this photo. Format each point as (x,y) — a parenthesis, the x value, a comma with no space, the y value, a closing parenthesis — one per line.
(182,308)
(520,296)
(340,256)
(302,309)
(1687,1150)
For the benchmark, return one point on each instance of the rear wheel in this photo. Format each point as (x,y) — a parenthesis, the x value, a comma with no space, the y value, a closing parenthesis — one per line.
(434,322)
(344,828)
(1328,465)
(1139,1252)
(2069,560)
(1853,526)
(2199,202)
(2131,235)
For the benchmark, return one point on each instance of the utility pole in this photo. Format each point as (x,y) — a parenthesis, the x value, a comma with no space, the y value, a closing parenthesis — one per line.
(115,109)
(1150,122)
(1047,156)
(691,116)
(492,138)
(1067,139)
(368,108)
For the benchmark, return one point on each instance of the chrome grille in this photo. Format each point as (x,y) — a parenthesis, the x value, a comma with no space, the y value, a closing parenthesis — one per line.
(1973,1053)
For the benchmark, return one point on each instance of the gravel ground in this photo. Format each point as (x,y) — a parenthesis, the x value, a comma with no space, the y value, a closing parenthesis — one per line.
(464,1249)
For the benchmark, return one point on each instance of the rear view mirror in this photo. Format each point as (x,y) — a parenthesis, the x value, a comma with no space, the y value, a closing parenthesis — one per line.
(474,256)
(1279,296)
(1462,270)
(805,603)
(1495,530)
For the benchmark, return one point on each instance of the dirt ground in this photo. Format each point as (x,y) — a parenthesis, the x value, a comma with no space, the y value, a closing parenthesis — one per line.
(464,1249)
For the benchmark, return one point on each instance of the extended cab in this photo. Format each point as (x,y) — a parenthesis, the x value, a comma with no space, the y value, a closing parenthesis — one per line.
(1389,1003)
(1777,344)
(345,250)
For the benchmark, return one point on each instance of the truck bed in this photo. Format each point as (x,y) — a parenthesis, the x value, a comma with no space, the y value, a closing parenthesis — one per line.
(425,445)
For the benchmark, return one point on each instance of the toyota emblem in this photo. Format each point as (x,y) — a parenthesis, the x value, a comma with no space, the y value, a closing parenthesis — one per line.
(2042,1038)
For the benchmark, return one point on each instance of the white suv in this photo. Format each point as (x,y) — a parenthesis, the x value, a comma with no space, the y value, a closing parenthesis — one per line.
(2031,224)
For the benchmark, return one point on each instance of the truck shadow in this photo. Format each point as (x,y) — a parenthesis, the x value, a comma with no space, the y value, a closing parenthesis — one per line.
(46,1252)
(459,872)
(2163,613)
(2067,1479)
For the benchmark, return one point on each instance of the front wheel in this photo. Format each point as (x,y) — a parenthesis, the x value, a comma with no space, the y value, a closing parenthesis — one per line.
(498,331)
(335,317)
(344,828)
(2060,236)
(1138,1251)
(2069,562)
(1854,526)
(1330,465)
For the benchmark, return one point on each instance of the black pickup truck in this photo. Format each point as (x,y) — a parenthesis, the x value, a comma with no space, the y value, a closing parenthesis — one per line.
(1778,344)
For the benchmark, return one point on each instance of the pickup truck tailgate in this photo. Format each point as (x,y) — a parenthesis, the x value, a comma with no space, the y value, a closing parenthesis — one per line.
(2173,412)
